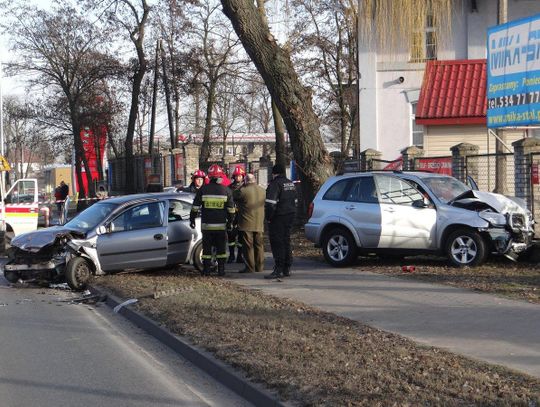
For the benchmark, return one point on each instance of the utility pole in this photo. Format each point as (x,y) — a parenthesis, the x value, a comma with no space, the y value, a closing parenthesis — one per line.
(1,113)
(500,163)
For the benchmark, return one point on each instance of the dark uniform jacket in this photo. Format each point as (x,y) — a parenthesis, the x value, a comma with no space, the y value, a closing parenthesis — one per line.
(250,206)
(216,204)
(190,188)
(280,197)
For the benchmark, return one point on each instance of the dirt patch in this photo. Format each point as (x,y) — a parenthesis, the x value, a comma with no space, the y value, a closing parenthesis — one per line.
(499,276)
(315,358)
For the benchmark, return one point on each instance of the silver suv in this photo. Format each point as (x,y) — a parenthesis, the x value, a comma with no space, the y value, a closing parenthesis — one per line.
(406,213)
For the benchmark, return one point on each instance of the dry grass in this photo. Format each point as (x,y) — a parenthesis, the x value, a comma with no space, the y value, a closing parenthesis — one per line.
(315,358)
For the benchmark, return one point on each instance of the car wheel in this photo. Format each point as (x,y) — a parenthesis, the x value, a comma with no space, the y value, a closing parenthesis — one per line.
(339,247)
(197,257)
(466,247)
(11,276)
(78,273)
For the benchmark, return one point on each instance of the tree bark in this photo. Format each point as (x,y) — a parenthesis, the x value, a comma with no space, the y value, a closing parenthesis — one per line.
(279,130)
(205,146)
(292,99)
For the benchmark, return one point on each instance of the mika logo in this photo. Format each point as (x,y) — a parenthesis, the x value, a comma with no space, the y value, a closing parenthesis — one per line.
(514,49)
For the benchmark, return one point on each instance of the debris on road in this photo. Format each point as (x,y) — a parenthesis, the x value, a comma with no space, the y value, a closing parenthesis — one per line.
(124,304)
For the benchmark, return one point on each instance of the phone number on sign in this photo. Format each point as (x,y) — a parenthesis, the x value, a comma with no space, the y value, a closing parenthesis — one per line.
(514,100)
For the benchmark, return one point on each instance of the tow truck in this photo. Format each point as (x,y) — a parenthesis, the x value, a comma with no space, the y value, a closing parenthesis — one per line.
(19,206)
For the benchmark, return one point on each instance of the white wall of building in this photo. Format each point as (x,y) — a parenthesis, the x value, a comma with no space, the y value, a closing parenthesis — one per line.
(385,103)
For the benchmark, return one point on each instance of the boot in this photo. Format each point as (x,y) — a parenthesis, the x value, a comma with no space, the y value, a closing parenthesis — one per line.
(274,274)
(287,271)
(207,264)
(231,254)
(239,256)
(221,267)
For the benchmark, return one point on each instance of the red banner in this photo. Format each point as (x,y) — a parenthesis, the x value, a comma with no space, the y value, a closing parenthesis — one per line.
(93,141)
(442,165)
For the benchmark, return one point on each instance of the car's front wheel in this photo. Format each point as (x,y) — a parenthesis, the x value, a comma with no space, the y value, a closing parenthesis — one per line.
(11,276)
(197,257)
(339,247)
(465,247)
(78,273)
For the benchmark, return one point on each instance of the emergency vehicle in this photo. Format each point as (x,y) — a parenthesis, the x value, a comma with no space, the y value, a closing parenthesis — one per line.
(19,207)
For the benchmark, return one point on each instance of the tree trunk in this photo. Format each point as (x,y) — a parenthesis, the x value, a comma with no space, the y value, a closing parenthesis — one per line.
(279,129)
(128,144)
(292,99)
(205,146)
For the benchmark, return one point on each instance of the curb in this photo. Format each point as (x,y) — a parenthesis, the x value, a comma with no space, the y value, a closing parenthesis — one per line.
(200,358)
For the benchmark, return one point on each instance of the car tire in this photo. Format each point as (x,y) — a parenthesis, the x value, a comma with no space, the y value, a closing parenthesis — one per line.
(11,276)
(466,247)
(78,273)
(197,257)
(339,248)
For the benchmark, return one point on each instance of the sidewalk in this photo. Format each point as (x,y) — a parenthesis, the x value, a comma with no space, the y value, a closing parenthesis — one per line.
(481,326)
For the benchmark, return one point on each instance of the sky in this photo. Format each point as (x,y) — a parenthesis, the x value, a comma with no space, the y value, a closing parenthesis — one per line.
(11,85)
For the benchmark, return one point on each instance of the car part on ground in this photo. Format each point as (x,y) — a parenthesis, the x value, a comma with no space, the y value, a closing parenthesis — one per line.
(142,231)
(408,213)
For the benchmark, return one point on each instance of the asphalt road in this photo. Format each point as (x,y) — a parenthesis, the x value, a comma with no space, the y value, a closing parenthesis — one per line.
(57,354)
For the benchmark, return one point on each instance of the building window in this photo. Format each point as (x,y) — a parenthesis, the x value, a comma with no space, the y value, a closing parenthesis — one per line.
(416,129)
(424,43)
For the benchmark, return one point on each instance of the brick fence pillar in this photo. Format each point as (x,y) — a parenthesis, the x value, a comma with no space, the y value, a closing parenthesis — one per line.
(459,155)
(522,167)
(366,160)
(191,160)
(409,154)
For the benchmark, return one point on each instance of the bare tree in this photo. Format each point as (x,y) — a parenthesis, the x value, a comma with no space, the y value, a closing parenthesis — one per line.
(292,98)
(211,59)
(325,41)
(62,51)
(133,17)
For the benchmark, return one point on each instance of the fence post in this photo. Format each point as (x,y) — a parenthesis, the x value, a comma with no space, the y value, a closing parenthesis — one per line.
(408,155)
(366,160)
(522,167)
(459,157)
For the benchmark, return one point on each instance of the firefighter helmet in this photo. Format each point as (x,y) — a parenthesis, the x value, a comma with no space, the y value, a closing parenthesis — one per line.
(215,171)
(198,174)
(239,170)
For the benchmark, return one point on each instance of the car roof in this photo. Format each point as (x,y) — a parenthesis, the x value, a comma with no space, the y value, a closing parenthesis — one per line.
(419,174)
(124,199)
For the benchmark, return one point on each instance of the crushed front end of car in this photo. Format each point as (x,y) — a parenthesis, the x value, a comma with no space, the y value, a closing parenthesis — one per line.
(41,256)
(509,224)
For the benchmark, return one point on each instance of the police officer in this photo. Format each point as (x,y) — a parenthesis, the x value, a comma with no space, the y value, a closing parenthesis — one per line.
(216,204)
(197,181)
(280,209)
(233,235)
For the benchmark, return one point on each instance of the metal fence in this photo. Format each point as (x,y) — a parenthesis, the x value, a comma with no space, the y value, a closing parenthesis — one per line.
(482,169)
(145,167)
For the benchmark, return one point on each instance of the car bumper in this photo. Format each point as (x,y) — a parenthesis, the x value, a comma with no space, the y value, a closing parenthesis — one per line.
(312,232)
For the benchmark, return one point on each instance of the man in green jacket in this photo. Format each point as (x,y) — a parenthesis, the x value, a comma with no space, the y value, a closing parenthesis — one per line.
(250,217)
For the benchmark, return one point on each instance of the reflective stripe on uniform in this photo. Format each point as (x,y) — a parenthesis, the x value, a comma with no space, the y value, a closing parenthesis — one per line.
(231,210)
(214,201)
(271,201)
(195,208)
(213,226)
(206,257)
(221,256)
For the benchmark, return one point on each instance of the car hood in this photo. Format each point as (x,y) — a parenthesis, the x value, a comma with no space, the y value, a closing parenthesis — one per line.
(35,241)
(500,203)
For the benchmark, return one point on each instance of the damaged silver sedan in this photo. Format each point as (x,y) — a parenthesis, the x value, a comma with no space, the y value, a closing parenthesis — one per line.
(130,232)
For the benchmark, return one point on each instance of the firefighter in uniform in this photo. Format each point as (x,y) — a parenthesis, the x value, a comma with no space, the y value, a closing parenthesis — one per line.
(216,204)
(197,181)
(280,209)
(233,235)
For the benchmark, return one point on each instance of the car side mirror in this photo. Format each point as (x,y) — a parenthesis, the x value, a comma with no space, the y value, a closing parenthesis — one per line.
(419,203)
(101,230)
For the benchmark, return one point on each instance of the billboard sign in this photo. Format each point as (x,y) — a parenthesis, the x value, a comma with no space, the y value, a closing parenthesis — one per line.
(513,73)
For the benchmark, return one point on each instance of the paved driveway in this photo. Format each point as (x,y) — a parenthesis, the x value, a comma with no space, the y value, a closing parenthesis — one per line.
(481,326)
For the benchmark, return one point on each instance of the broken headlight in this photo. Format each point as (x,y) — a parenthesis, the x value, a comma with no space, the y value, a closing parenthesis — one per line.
(494,218)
